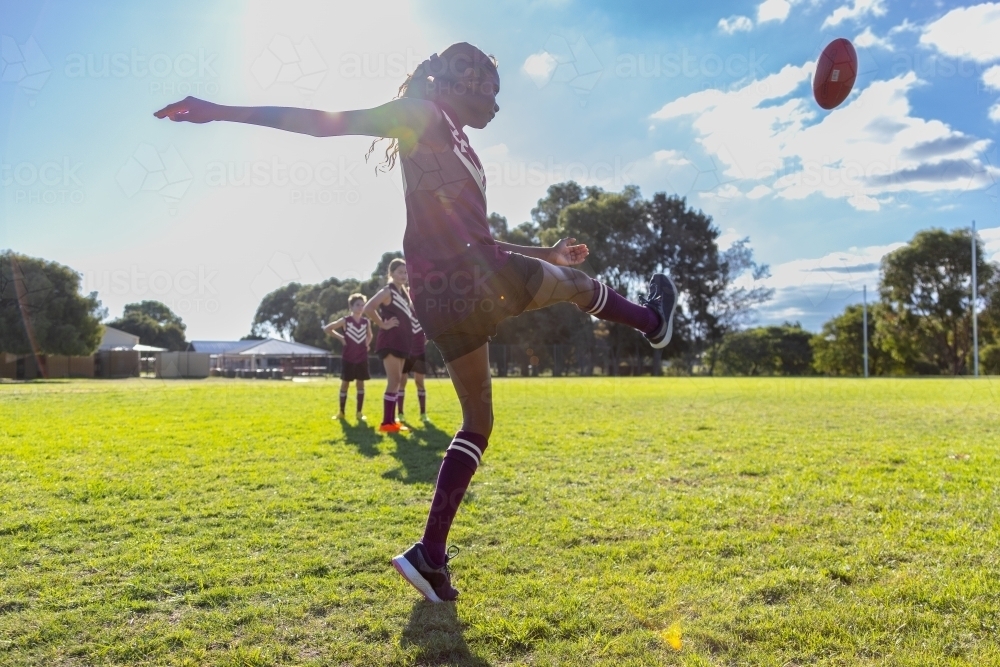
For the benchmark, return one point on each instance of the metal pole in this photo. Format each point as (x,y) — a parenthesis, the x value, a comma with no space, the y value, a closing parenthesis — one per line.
(975,295)
(864,326)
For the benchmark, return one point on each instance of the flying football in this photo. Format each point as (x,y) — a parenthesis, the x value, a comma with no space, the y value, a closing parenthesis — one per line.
(836,70)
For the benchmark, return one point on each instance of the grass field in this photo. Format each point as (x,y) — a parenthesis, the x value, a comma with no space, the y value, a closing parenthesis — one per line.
(614,521)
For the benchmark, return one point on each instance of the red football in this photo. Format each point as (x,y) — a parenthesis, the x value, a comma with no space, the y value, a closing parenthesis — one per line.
(836,70)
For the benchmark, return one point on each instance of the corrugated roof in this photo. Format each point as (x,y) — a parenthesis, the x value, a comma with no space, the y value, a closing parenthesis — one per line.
(272,347)
(222,346)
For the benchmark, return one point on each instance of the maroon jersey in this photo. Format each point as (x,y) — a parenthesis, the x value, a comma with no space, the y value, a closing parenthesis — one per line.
(448,246)
(419,340)
(398,338)
(355,339)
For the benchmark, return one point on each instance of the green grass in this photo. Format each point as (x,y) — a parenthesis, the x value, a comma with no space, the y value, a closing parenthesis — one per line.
(764,521)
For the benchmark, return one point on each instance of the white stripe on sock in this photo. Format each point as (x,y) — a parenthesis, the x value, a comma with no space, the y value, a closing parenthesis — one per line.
(459,448)
(602,299)
(478,451)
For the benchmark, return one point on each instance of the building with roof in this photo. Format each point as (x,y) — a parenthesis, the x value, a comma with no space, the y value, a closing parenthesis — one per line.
(241,357)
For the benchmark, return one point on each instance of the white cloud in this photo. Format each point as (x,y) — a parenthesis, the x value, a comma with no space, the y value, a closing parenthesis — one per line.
(540,66)
(855,11)
(995,113)
(725,191)
(967,32)
(728,238)
(735,24)
(991,242)
(773,10)
(867,38)
(991,77)
(759,191)
(814,290)
(670,157)
(870,148)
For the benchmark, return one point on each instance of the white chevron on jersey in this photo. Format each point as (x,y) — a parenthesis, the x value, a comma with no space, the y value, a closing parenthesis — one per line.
(459,146)
(402,303)
(356,332)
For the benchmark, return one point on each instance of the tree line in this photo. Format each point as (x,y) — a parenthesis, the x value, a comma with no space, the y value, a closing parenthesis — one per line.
(919,320)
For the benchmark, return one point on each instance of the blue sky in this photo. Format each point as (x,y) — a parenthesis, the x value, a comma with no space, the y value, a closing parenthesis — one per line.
(708,100)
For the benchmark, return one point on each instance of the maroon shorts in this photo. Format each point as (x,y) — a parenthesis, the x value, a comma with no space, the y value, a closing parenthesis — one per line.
(389,352)
(416,364)
(511,288)
(351,371)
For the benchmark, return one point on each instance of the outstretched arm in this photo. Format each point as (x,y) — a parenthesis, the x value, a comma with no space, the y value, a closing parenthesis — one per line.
(405,119)
(564,253)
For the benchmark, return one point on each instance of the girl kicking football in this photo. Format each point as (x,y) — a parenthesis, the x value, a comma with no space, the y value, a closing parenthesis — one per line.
(357,338)
(463,281)
(390,308)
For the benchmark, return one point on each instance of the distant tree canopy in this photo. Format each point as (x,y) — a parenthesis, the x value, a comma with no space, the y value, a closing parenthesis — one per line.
(774,350)
(297,311)
(839,348)
(629,237)
(45,297)
(922,323)
(927,288)
(154,323)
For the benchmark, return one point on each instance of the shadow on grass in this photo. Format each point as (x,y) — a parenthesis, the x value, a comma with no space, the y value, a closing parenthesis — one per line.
(361,435)
(419,453)
(436,632)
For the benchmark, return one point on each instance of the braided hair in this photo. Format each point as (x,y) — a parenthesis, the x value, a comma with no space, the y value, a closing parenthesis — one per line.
(459,69)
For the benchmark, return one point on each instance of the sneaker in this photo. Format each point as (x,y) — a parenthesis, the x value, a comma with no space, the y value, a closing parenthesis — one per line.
(433,583)
(340,416)
(361,417)
(400,418)
(424,418)
(662,299)
(388,428)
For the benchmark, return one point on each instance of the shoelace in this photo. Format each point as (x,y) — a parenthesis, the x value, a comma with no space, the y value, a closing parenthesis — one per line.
(453,551)
(643,301)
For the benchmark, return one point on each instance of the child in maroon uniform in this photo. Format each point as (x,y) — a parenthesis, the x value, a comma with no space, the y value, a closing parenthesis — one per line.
(357,336)
(390,308)
(464,282)
(417,364)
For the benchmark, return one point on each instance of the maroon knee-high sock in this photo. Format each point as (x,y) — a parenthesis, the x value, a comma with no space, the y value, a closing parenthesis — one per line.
(388,408)
(459,464)
(608,304)
(400,397)
(361,399)
(422,397)
(343,400)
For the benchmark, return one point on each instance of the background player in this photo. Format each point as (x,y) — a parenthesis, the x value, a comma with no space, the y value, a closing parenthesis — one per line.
(390,309)
(356,337)
(417,364)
